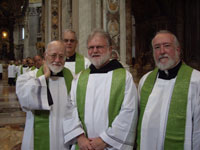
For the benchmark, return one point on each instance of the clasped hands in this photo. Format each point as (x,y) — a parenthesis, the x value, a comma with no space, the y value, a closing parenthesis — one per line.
(85,143)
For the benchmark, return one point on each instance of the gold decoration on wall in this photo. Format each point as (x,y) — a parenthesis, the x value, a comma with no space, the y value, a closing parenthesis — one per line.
(55,19)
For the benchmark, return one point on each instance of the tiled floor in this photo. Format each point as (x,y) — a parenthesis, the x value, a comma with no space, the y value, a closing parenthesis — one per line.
(11,118)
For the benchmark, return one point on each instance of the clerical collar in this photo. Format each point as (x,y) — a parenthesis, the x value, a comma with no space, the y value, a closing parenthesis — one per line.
(24,66)
(71,58)
(169,74)
(59,74)
(112,65)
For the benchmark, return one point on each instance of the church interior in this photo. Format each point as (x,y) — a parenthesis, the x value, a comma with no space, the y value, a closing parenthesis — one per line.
(26,26)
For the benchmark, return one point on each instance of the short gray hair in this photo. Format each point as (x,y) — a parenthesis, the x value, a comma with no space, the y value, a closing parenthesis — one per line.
(176,42)
(101,33)
(55,42)
(71,31)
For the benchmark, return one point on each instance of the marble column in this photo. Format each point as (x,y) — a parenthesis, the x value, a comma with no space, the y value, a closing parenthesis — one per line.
(66,15)
(82,22)
(128,32)
(31,29)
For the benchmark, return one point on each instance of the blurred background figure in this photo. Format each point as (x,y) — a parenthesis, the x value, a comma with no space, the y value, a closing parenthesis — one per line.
(11,73)
(38,61)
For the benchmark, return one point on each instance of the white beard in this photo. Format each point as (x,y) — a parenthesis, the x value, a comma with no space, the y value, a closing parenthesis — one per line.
(54,68)
(171,62)
(98,62)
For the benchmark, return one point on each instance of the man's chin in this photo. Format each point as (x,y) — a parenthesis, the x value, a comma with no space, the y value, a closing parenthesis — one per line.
(56,69)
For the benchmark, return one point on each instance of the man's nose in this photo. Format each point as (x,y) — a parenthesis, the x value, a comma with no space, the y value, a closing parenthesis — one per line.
(162,49)
(95,49)
(57,59)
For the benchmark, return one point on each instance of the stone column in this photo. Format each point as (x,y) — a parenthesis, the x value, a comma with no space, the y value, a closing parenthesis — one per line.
(128,22)
(47,21)
(82,22)
(66,15)
(31,29)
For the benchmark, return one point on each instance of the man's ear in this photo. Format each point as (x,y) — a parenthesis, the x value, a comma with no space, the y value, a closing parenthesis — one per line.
(45,55)
(178,49)
(110,49)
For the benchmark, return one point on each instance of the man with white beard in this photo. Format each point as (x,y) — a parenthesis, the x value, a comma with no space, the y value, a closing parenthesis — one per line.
(43,94)
(169,100)
(104,101)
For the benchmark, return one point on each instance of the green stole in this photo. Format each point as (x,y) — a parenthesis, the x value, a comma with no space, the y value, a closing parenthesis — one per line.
(79,63)
(21,69)
(116,94)
(175,129)
(41,117)
(33,68)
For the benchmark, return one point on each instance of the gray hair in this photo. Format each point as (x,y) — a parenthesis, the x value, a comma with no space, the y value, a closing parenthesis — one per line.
(101,33)
(71,31)
(54,42)
(176,42)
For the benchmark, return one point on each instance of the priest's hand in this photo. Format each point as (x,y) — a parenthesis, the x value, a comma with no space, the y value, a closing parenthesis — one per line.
(98,143)
(46,70)
(84,143)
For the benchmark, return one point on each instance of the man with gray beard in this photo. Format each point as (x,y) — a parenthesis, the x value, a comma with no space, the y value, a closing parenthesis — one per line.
(104,101)
(169,100)
(43,94)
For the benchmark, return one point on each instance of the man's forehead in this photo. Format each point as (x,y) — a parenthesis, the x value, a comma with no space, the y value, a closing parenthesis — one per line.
(57,50)
(69,34)
(163,37)
(97,39)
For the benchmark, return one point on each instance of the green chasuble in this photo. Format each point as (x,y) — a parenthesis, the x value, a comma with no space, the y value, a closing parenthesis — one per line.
(116,94)
(79,63)
(175,129)
(41,117)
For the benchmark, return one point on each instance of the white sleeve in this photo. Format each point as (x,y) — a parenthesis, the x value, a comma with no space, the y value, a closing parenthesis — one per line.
(32,92)
(71,125)
(195,89)
(87,62)
(121,135)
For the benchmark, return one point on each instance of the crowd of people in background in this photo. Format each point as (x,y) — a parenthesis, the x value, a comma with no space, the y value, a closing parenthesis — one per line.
(19,67)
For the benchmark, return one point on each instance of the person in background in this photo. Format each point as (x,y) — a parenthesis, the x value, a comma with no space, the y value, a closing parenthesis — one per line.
(103,101)
(169,100)
(44,96)
(115,55)
(24,67)
(38,61)
(74,61)
(31,64)
(11,73)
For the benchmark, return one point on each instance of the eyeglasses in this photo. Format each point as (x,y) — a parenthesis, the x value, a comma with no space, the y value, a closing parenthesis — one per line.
(69,40)
(98,47)
(165,45)
(54,56)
